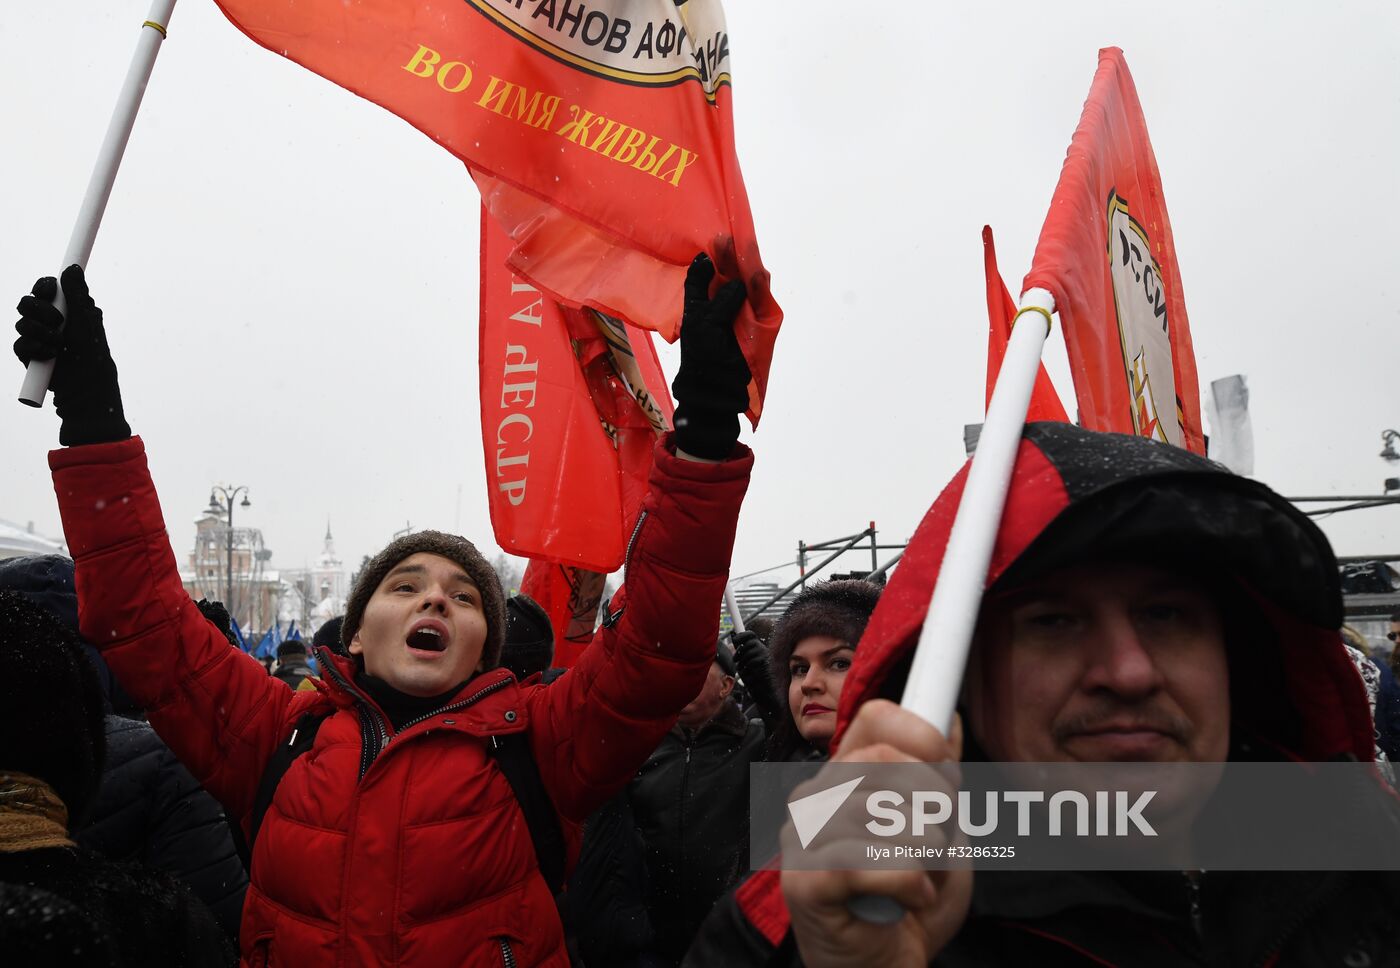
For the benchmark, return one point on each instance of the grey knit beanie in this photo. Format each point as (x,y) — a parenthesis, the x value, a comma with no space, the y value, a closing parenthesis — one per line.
(451,547)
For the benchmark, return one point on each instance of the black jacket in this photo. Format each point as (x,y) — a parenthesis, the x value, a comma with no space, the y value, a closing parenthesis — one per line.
(1052,919)
(605,913)
(150,918)
(1306,918)
(293,673)
(41,928)
(690,801)
(149,809)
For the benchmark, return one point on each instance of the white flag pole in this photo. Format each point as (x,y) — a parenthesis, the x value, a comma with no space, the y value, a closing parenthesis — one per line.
(104,173)
(732,605)
(935,678)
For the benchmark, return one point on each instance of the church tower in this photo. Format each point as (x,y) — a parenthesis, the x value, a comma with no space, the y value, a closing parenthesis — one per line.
(328,583)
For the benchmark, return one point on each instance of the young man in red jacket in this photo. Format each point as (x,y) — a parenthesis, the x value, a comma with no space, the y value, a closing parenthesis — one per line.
(398,839)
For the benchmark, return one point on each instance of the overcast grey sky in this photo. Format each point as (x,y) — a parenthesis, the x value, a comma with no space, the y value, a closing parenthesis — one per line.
(289,272)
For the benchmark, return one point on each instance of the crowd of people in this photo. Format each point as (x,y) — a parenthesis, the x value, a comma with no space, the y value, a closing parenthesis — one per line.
(425,788)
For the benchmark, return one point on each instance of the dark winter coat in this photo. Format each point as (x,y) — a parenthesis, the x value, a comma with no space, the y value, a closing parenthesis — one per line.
(292,673)
(402,847)
(1075,493)
(605,905)
(149,809)
(149,918)
(41,928)
(690,802)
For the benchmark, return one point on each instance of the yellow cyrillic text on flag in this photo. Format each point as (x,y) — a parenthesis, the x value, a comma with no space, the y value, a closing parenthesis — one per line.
(613,139)
(518,391)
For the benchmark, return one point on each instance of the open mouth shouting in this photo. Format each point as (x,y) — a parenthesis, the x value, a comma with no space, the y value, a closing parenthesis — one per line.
(428,638)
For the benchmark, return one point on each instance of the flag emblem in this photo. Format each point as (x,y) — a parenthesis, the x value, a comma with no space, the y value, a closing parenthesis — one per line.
(1140,306)
(637,42)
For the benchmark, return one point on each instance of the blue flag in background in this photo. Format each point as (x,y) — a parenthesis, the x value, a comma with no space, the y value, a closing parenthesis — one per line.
(267,645)
(238,633)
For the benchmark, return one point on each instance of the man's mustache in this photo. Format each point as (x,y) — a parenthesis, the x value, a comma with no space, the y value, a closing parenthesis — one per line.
(1117,716)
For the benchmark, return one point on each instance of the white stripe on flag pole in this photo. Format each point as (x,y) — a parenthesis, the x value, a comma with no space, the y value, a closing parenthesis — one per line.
(104,173)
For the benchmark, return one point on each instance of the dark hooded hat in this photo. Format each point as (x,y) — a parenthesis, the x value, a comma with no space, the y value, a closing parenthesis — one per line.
(52,722)
(1078,495)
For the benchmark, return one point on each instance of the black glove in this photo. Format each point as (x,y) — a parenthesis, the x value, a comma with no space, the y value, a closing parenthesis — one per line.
(84,384)
(712,387)
(218,616)
(751,659)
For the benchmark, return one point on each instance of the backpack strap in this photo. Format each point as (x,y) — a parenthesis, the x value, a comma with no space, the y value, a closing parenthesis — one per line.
(513,755)
(300,740)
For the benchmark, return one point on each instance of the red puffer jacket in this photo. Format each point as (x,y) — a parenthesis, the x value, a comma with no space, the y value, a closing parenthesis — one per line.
(405,848)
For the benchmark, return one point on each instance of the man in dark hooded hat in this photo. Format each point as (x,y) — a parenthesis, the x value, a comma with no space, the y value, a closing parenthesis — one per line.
(1143,604)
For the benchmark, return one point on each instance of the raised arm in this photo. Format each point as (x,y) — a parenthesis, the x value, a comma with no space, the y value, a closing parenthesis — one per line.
(594,727)
(216,708)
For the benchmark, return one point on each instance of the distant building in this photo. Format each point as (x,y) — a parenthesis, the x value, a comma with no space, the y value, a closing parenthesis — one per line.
(256,591)
(331,581)
(319,592)
(752,596)
(19,542)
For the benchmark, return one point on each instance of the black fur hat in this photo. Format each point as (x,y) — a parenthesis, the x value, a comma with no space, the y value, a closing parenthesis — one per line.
(839,609)
(51,715)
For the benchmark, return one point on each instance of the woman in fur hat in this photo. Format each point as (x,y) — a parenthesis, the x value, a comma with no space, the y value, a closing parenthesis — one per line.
(811,651)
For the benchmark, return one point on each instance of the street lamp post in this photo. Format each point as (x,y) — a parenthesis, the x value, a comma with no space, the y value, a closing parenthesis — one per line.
(229,495)
(1389,438)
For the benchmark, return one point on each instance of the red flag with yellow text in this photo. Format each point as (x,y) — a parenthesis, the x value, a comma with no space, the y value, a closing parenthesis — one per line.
(567,445)
(1106,254)
(571,404)
(600,134)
